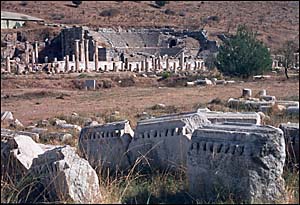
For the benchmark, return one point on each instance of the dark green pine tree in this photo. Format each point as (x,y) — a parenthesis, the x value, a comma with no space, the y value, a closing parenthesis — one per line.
(243,55)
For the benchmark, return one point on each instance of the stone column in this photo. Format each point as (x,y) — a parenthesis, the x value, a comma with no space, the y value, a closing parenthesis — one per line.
(105,68)
(137,68)
(114,66)
(153,63)
(87,55)
(46,59)
(26,53)
(82,51)
(159,60)
(36,51)
(67,64)
(8,64)
(174,67)
(167,64)
(73,58)
(146,65)
(181,60)
(96,55)
(76,55)
(142,66)
(33,57)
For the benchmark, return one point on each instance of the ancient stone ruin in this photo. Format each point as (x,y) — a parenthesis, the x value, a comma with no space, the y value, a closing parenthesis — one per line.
(291,135)
(106,146)
(162,143)
(66,175)
(242,160)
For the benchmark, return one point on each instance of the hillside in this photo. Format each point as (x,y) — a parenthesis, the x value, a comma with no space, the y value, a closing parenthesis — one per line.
(275,21)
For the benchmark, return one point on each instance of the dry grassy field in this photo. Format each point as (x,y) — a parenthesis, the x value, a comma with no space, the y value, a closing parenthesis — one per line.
(34,98)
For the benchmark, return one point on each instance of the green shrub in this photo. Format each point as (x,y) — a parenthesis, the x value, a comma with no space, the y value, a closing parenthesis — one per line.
(243,55)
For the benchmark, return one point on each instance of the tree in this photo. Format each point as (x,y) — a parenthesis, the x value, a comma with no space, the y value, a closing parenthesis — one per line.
(77,3)
(288,50)
(243,55)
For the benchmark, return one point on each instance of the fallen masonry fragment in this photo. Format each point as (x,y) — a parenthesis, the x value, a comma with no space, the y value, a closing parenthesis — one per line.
(244,161)
(17,154)
(162,143)
(106,146)
(67,176)
(291,135)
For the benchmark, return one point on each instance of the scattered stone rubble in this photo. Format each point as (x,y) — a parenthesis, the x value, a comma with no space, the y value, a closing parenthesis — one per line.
(222,153)
(65,175)
(264,103)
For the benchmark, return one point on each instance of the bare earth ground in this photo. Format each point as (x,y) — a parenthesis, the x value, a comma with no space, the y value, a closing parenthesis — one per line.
(35,98)
(275,21)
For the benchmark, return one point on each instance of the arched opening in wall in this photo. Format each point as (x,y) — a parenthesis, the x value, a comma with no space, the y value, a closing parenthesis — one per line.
(172,43)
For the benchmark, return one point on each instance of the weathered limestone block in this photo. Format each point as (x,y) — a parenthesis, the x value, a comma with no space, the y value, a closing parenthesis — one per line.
(243,117)
(67,176)
(63,137)
(287,103)
(69,126)
(253,105)
(162,143)
(7,116)
(291,135)
(90,84)
(246,92)
(242,160)
(268,97)
(292,110)
(17,154)
(34,136)
(105,146)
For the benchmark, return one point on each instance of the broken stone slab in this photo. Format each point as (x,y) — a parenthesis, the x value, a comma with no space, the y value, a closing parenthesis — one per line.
(33,135)
(242,160)
(190,83)
(59,122)
(203,82)
(17,154)
(292,110)
(267,97)
(67,176)
(39,130)
(63,137)
(91,123)
(162,143)
(265,108)
(246,92)
(7,116)
(252,105)
(16,123)
(90,84)
(69,126)
(243,117)
(106,146)
(287,103)
(291,135)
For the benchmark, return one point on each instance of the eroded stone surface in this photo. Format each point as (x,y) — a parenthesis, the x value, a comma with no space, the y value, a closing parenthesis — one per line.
(17,153)
(245,160)
(105,146)
(291,135)
(162,143)
(67,176)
